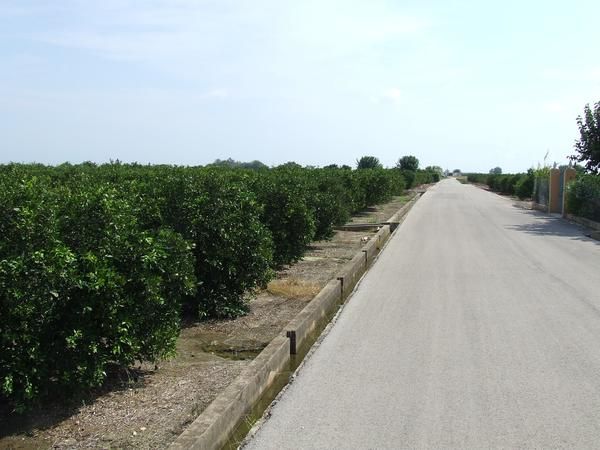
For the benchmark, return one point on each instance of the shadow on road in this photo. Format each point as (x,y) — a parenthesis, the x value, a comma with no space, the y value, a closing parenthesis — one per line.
(547,225)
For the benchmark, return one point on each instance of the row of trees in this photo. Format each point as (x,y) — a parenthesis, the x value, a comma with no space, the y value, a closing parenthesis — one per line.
(408,162)
(583,196)
(520,184)
(408,166)
(99,263)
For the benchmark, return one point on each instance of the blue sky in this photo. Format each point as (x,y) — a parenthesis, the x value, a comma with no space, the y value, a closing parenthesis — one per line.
(460,84)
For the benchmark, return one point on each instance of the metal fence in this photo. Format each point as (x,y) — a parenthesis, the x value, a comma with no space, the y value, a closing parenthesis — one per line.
(541,192)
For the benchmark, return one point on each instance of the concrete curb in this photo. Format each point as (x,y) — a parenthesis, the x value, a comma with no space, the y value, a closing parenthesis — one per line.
(397,218)
(585,222)
(213,427)
(301,327)
(594,226)
(218,422)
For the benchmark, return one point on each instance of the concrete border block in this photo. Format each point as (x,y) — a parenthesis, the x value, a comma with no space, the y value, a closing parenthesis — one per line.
(585,222)
(375,244)
(351,273)
(382,235)
(397,218)
(218,421)
(371,249)
(319,308)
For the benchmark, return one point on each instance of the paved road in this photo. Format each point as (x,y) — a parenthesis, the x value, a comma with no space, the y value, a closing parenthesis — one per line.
(478,327)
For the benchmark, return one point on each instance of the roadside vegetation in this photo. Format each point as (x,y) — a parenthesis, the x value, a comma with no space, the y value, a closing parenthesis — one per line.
(520,184)
(583,195)
(100,263)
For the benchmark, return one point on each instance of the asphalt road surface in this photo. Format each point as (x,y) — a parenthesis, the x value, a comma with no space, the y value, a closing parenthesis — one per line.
(477,327)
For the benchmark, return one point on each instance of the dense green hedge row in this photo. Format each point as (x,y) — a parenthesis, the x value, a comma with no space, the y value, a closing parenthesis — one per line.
(97,263)
(520,184)
(583,196)
(82,285)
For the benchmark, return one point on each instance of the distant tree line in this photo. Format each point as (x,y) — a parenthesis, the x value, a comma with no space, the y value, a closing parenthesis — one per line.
(239,164)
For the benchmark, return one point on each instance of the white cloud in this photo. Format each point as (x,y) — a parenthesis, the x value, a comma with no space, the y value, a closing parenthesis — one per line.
(238,43)
(394,94)
(161,31)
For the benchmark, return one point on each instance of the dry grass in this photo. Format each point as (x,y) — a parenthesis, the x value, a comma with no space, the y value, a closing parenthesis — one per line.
(293,288)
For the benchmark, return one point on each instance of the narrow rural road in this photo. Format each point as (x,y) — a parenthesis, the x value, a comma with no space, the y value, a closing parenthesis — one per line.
(478,327)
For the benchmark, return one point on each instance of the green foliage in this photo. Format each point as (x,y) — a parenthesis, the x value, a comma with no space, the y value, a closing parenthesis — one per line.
(583,197)
(289,165)
(232,248)
(410,177)
(525,184)
(425,177)
(287,212)
(368,162)
(541,171)
(330,201)
(416,178)
(82,286)
(588,145)
(502,183)
(375,185)
(480,178)
(408,162)
(256,165)
(520,184)
(99,262)
(496,171)
(437,173)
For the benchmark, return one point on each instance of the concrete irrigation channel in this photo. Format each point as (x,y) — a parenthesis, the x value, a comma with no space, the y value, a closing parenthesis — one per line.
(225,422)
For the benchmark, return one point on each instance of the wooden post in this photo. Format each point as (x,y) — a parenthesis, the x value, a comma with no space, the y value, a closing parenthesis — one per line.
(292,336)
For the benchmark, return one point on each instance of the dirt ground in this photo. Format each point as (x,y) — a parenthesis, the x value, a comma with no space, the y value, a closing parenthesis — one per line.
(149,406)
